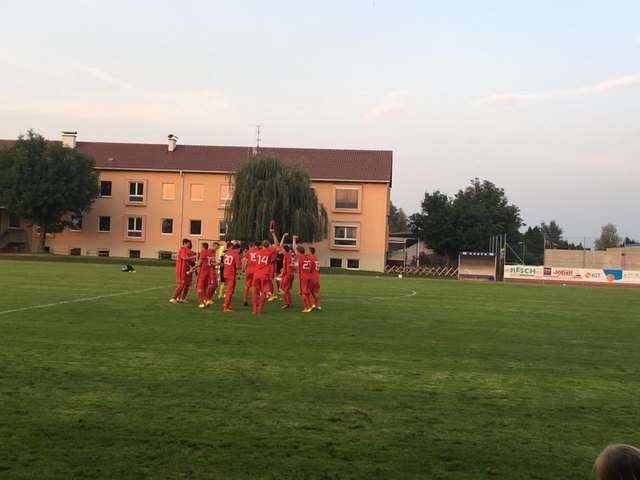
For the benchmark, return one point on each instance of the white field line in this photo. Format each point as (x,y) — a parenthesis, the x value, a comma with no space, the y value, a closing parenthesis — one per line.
(412,293)
(88,299)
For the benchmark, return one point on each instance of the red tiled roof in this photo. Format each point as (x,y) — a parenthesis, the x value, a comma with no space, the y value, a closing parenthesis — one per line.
(322,164)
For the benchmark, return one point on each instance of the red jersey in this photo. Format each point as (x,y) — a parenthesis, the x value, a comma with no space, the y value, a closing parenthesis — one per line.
(265,257)
(179,265)
(304,265)
(315,268)
(210,262)
(188,261)
(287,264)
(231,262)
(250,257)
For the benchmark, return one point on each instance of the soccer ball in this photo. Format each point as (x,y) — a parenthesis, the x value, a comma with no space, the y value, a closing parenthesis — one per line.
(399,275)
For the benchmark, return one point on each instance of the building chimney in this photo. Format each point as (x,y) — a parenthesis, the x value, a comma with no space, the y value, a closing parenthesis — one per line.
(173,142)
(69,139)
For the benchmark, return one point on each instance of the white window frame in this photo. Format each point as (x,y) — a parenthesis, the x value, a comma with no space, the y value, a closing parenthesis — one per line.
(104,231)
(138,233)
(356,188)
(109,182)
(223,228)
(132,198)
(162,226)
(76,223)
(191,225)
(355,240)
(223,201)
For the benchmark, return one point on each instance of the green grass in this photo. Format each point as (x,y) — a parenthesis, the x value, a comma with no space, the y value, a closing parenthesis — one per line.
(455,381)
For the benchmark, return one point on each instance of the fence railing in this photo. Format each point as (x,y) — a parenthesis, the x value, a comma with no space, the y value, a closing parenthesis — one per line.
(426,271)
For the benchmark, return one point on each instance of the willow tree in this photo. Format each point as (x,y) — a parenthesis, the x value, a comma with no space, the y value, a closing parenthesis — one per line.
(264,189)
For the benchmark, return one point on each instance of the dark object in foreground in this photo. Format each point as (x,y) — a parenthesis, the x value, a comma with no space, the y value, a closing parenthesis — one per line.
(128,268)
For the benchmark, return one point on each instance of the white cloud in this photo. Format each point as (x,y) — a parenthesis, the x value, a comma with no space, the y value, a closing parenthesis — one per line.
(121,83)
(627,81)
(391,104)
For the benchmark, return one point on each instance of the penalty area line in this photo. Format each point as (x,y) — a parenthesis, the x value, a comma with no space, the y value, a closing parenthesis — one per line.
(88,299)
(412,293)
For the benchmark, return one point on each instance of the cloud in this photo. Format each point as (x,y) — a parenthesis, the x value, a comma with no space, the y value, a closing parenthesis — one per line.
(121,83)
(188,107)
(627,81)
(391,104)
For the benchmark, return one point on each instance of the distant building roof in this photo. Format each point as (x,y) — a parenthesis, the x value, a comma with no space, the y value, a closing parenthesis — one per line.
(322,164)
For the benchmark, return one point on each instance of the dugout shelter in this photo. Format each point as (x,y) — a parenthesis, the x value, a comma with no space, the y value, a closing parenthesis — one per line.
(477,266)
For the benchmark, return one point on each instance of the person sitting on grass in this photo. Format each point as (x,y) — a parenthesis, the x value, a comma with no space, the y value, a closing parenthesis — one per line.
(618,462)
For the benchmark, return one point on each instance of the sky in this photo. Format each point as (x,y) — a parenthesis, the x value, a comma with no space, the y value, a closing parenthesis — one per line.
(539,97)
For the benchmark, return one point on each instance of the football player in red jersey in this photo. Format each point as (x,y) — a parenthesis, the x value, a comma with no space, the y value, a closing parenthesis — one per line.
(304,274)
(211,265)
(265,256)
(286,274)
(202,282)
(186,275)
(249,265)
(231,265)
(314,286)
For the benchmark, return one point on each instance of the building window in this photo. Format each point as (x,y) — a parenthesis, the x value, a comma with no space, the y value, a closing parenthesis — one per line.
(14,220)
(345,236)
(222,229)
(167,226)
(195,227)
(104,224)
(105,188)
(136,193)
(353,263)
(226,192)
(134,227)
(134,253)
(76,252)
(103,252)
(347,198)
(335,263)
(168,191)
(197,192)
(75,223)
(165,255)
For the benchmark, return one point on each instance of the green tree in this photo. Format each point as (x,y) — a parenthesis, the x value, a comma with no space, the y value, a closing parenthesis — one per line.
(467,221)
(45,182)
(533,245)
(398,221)
(481,211)
(264,189)
(553,234)
(435,224)
(609,237)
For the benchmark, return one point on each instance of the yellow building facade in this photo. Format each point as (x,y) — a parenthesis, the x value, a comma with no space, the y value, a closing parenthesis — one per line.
(154,195)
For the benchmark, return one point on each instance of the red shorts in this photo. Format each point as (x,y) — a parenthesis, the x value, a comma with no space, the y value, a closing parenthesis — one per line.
(287,283)
(304,285)
(261,284)
(314,286)
(203,279)
(187,278)
(248,279)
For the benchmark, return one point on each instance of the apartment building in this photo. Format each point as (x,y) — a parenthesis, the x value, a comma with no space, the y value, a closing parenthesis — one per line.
(153,195)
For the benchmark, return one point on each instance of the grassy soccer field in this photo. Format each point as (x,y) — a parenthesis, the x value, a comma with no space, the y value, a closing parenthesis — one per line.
(101,377)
